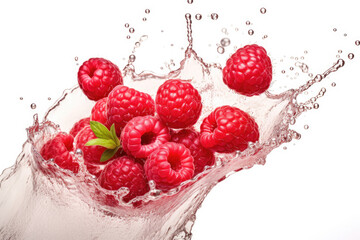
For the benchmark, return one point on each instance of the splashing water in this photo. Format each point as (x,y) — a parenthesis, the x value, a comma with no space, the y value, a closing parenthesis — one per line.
(81,209)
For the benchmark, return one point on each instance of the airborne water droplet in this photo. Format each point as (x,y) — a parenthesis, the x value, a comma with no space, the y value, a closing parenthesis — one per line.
(265,36)
(198,16)
(131,30)
(128,37)
(127,25)
(33,106)
(144,19)
(132,58)
(251,32)
(49,98)
(333,84)
(282,71)
(220,50)
(225,42)
(76,58)
(21,98)
(334,29)
(247,22)
(147,11)
(306,126)
(357,42)
(316,106)
(263,10)
(351,56)
(190,1)
(214,16)
(339,51)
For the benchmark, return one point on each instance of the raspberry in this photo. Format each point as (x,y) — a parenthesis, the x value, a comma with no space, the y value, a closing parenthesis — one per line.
(91,154)
(98,112)
(97,77)
(191,139)
(142,135)
(248,71)
(78,126)
(178,103)
(125,103)
(227,129)
(59,149)
(169,165)
(124,172)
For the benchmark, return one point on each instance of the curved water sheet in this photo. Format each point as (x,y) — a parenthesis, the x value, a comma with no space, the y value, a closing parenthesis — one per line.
(38,200)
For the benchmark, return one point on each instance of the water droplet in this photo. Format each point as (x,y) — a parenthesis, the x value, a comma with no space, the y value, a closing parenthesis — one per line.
(318,78)
(302,57)
(351,56)
(284,147)
(296,135)
(144,19)
(147,11)
(131,30)
(265,36)
(224,30)
(236,29)
(263,10)
(345,34)
(316,105)
(198,16)
(49,98)
(220,50)
(333,84)
(78,151)
(282,71)
(357,42)
(33,106)
(291,68)
(21,98)
(334,29)
(128,37)
(127,25)
(310,75)
(132,58)
(337,56)
(214,16)
(251,32)
(225,42)
(248,22)
(76,58)
(306,126)
(190,1)
(306,52)
(339,51)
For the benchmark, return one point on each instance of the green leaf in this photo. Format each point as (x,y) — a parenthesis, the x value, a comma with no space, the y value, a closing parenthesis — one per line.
(108,153)
(100,130)
(107,143)
(113,135)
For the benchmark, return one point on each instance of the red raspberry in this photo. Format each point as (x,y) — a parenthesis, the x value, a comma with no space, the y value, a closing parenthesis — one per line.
(169,165)
(125,103)
(124,172)
(248,71)
(98,112)
(78,126)
(91,154)
(178,103)
(191,139)
(97,77)
(59,149)
(227,129)
(142,135)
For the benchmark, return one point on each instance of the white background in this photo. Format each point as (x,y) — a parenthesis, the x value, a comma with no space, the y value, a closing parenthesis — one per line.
(309,191)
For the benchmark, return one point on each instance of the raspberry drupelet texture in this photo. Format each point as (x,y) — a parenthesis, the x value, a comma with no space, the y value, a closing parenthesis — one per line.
(142,135)
(191,139)
(59,149)
(248,71)
(97,77)
(178,103)
(98,112)
(79,125)
(91,154)
(169,166)
(228,129)
(125,172)
(125,103)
